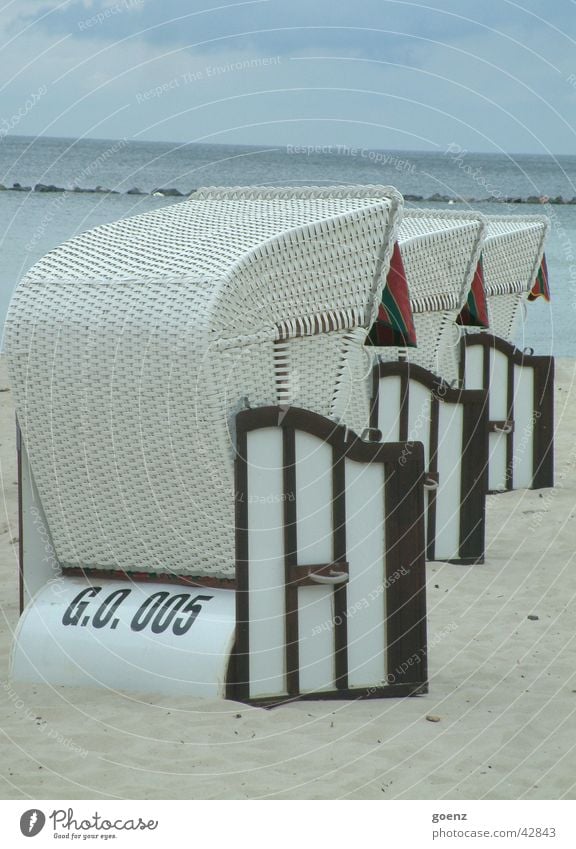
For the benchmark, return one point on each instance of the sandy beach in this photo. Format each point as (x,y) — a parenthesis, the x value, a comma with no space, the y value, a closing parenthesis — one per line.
(502,684)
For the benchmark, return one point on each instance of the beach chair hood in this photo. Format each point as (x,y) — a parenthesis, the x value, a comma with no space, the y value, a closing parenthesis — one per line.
(132,347)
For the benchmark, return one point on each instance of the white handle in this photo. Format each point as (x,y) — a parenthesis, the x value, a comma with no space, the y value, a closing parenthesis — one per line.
(430,484)
(332,578)
(505,428)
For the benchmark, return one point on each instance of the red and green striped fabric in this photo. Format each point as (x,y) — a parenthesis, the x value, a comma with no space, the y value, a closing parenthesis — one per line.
(394,324)
(474,313)
(541,289)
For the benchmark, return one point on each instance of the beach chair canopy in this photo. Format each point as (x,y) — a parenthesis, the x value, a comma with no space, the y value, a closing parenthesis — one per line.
(440,252)
(512,255)
(132,347)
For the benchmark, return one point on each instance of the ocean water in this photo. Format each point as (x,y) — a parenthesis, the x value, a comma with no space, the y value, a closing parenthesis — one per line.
(32,223)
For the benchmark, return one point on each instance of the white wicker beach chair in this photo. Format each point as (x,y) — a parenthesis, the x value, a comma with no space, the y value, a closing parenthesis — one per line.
(511,256)
(132,347)
(520,385)
(440,251)
(329,600)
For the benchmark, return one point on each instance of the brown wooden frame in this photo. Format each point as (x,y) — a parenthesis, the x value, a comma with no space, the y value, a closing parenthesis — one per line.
(474,462)
(406,622)
(543,442)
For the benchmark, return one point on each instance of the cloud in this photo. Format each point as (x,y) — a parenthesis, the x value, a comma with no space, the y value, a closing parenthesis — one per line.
(374,72)
(369,27)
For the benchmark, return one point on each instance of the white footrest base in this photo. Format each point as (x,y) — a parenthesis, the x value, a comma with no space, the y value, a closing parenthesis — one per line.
(143,637)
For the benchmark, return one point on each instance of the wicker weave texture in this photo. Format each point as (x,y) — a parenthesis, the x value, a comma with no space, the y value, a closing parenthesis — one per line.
(512,254)
(132,347)
(440,253)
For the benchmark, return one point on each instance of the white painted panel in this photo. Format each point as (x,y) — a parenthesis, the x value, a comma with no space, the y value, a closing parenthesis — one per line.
(523,427)
(266,596)
(498,400)
(316,638)
(498,411)
(315,545)
(419,414)
(450,424)
(313,499)
(473,371)
(497,461)
(124,635)
(366,589)
(40,561)
(389,408)
(419,417)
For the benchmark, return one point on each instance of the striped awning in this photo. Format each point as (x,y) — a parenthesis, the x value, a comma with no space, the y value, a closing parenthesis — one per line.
(540,288)
(394,324)
(474,313)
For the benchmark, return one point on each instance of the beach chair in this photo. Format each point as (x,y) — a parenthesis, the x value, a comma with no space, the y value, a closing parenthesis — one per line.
(433,266)
(132,349)
(416,394)
(512,257)
(440,252)
(419,398)
(521,385)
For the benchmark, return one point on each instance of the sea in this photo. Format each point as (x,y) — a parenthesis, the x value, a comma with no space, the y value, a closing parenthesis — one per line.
(33,222)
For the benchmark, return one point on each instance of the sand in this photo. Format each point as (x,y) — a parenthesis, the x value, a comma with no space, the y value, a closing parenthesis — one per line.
(503,686)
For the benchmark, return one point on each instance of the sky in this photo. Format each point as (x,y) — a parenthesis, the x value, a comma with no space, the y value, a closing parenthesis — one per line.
(488,75)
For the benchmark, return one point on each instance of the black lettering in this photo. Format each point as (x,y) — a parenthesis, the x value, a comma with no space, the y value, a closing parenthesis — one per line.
(109,607)
(181,625)
(147,610)
(168,611)
(74,611)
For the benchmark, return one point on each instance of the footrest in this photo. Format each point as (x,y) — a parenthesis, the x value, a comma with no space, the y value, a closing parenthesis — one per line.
(143,637)
(330,569)
(410,403)
(521,403)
